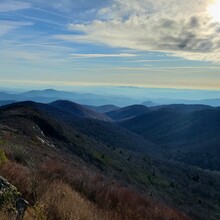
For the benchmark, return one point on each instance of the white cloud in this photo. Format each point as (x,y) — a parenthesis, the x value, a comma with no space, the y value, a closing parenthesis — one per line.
(7,6)
(7,26)
(35,52)
(101,55)
(181,28)
(154,61)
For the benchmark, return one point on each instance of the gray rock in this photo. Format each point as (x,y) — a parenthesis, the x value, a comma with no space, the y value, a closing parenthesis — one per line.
(17,201)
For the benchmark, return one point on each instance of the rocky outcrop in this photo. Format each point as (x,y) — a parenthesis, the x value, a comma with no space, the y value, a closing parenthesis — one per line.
(11,200)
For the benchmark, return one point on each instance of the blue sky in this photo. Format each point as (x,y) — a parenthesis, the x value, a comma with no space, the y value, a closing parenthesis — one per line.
(145,43)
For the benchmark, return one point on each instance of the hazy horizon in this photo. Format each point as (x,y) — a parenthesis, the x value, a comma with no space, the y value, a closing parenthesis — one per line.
(136,93)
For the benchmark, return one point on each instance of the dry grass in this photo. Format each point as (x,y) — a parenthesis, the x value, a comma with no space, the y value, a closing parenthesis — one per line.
(58,190)
(51,193)
(61,202)
(55,200)
(18,175)
(5,216)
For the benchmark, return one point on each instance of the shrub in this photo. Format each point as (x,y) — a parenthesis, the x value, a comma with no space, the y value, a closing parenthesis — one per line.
(17,175)
(3,158)
(20,156)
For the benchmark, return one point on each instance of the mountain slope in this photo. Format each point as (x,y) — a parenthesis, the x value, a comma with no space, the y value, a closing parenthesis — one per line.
(127,112)
(34,136)
(77,118)
(182,107)
(103,108)
(35,142)
(189,136)
(77,110)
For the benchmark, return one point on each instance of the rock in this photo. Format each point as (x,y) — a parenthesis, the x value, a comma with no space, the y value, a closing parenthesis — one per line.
(10,197)
(4,184)
(21,206)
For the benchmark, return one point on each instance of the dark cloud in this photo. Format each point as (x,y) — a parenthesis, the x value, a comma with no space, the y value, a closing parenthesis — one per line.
(194,22)
(168,23)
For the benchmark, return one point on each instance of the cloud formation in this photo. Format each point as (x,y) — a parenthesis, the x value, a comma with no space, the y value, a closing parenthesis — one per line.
(6,26)
(102,55)
(180,28)
(7,6)
(69,7)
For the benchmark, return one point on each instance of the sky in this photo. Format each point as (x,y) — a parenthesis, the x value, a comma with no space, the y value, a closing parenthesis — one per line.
(143,43)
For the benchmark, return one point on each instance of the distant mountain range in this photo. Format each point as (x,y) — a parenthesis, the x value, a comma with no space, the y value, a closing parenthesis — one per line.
(150,104)
(50,95)
(6,102)
(156,102)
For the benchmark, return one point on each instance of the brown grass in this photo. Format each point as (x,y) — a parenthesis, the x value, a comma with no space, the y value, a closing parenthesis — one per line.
(61,202)
(58,190)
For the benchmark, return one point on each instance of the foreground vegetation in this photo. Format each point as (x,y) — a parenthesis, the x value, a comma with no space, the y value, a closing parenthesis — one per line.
(57,190)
